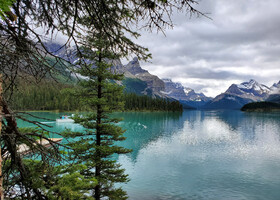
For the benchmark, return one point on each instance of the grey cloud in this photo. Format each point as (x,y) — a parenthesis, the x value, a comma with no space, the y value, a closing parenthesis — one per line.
(243,35)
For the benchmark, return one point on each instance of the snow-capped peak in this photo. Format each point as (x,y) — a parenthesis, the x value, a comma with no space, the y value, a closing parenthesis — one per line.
(187,90)
(248,85)
(254,85)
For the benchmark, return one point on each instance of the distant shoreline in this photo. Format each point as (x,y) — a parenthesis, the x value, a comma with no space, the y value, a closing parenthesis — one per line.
(261,107)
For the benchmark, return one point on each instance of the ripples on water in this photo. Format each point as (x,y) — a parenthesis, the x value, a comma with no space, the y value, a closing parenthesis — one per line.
(201,155)
(209,155)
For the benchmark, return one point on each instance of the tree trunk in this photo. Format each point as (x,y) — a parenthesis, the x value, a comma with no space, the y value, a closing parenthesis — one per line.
(1,117)
(97,189)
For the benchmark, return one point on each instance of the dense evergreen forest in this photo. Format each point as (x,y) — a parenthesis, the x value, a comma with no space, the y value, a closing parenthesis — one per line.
(136,103)
(261,106)
(50,95)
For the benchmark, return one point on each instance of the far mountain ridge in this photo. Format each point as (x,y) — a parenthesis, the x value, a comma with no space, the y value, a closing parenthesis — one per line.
(250,90)
(274,95)
(184,94)
(275,88)
(237,95)
(178,91)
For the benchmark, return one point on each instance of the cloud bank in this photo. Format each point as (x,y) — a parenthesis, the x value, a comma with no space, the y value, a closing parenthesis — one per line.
(239,43)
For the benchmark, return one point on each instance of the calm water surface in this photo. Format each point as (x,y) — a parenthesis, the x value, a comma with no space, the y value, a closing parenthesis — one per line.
(198,155)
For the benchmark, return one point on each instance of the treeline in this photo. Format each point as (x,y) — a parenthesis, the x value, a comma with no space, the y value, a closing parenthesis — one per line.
(138,103)
(261,106)
(57,96)
(44,96)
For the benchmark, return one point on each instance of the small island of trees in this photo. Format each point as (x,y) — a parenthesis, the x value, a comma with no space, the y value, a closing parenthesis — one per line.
(261,107)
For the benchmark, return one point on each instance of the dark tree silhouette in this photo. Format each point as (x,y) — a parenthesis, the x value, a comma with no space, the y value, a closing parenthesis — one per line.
(23,54)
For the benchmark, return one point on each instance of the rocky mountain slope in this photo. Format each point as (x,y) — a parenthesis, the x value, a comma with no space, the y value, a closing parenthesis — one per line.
(274,98)
(135,74)
(274,95)
(275,88)
(154,83)
(227,101)
(183,94)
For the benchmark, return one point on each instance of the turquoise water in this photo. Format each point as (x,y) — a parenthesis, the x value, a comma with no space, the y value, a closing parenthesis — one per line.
(198,155)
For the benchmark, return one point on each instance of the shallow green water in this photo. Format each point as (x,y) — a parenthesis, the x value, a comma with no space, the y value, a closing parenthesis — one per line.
(198,155)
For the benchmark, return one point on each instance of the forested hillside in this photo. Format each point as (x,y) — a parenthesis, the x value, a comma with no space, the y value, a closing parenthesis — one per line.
(49,95)
(44,96)
(135,102)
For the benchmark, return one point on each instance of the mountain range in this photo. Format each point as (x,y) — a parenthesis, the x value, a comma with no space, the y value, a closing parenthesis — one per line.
(234,97)
(140,81)
(237,95)
(185,95)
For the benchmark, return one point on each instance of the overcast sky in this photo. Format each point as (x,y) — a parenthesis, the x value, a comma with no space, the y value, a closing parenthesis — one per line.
(241,42)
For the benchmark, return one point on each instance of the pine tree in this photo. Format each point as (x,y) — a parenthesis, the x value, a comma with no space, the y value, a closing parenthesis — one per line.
(104,24)
(96,146)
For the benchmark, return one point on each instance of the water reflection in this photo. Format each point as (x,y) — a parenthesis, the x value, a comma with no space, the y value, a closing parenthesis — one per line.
(143,128)
(209,155)
(200,155)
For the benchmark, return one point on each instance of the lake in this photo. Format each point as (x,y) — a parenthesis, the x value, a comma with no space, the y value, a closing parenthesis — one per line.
(197,155)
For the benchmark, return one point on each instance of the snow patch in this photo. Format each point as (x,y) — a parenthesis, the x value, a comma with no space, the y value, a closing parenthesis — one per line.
(231,98)
(187,90)
(167,93)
